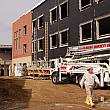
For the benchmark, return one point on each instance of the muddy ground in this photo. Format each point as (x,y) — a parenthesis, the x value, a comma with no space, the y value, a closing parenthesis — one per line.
(29,94)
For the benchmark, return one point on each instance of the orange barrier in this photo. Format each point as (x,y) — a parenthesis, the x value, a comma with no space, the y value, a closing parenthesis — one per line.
(42,72)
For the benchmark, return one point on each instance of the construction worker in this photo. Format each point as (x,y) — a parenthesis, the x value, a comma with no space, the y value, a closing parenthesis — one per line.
(88,80)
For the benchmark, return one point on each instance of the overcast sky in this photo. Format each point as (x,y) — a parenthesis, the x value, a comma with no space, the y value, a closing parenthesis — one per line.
(10,10)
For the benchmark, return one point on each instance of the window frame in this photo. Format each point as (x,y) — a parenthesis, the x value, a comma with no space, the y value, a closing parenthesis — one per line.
(39,21)
(80,32)
(34,29)
(98,37)
(85,7)
(25,30)
(98,1)
(33,47)
(60,37)
(15,44)
(39,50)
(19,43)
(52,22)
(67,9)
(24,48)
(19,32)
(53,47)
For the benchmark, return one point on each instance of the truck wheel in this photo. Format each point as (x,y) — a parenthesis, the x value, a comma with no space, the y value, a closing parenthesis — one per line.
(55,79)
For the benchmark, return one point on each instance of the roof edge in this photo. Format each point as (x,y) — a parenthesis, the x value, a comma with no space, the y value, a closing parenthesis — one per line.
(35,6)
(5,46)
(38,4)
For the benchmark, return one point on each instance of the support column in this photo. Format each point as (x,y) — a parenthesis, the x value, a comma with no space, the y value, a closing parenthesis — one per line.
(5,69)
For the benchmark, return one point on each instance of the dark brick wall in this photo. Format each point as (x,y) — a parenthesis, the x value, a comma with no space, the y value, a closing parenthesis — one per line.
(74,19)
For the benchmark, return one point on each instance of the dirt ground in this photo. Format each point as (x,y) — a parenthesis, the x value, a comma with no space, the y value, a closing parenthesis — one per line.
(29,94)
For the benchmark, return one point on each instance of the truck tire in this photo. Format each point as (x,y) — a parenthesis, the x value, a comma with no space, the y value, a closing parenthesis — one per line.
(55,79)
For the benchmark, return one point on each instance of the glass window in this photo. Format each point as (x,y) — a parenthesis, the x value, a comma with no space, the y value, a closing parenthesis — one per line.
(63,10)
(53,41)
(24,48)
(25,29)
(40,45)
(34,29)
(103,27)
(53,15)
(86,32)
(64,38)
(84,4)
(40,22)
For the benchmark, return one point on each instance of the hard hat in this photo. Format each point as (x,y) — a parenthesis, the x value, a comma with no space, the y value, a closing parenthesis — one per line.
(89,67)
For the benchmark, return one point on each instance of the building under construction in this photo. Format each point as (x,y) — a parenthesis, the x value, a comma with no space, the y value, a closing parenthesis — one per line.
(5,59)
(59,24)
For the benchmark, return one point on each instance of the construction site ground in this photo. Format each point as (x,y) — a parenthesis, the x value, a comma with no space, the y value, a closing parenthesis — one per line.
(30,94)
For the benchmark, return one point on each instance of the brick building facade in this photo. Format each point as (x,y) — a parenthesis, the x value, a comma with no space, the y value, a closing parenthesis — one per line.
(21,40)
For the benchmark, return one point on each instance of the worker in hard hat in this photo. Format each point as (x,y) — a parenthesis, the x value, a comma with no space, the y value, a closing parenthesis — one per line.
(89,80)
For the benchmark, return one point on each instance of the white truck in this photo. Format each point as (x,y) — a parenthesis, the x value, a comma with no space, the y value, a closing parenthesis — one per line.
(18,71)
(70,71)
